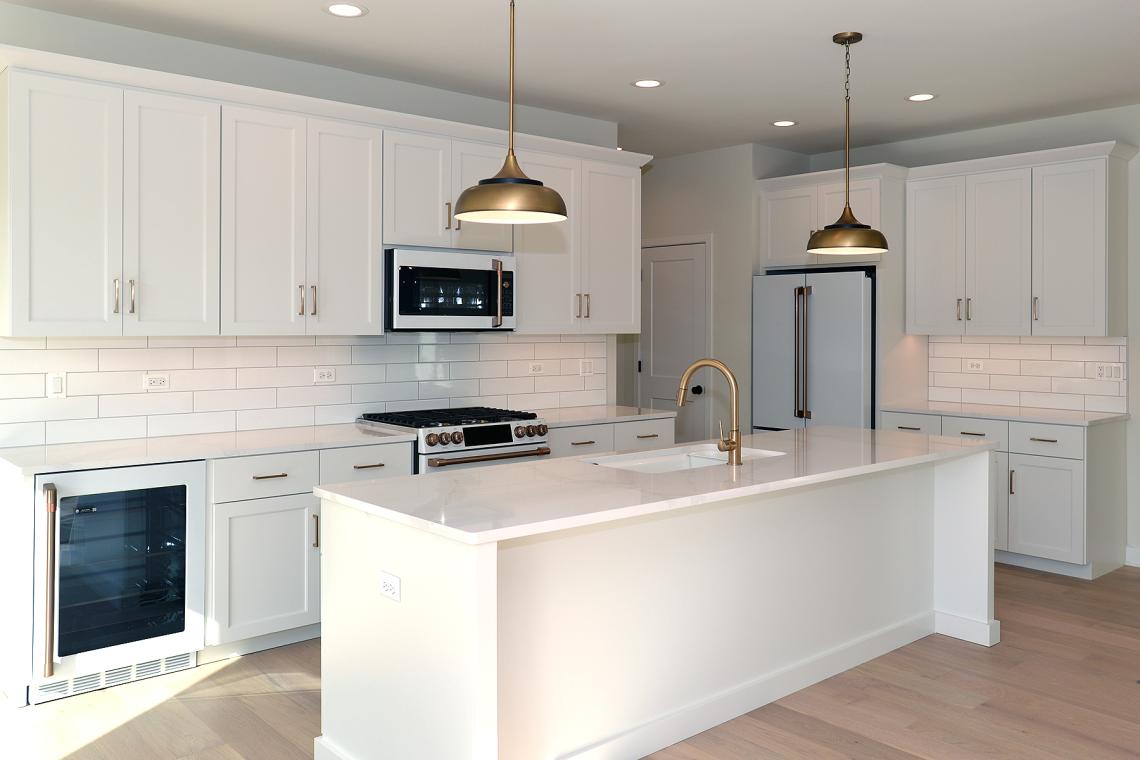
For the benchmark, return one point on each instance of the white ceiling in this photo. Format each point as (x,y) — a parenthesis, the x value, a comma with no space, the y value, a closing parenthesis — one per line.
(730,66)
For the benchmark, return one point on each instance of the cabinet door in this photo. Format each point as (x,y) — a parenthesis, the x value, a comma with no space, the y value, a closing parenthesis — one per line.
(1069,226)
(611,248)
(66,203)
(263,222)
(1047,507)
(998,252)
(865,205)
(787,219)
(471,162)
(547,256)
(417,189)
(999,477)
(266,569)
(171,189)
(935,256)
(344,252)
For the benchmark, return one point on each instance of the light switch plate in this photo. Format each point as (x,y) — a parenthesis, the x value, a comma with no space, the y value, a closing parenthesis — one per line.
(55,385)
(1110,371)
(585,367)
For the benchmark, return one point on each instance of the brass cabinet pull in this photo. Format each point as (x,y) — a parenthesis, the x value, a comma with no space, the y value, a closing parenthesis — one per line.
(316,531)
(448,205)
(967,432)
(271,477)
(367,466)
(908,427)
(582,443)
(587,306)
(649,435)
(1036,313)
(969,314)
(51,500)
(541,451)
(578,313)
(458,224)
(301,311)
(1011,481)
(1043,440)
(958,312)
(313,306)
(132,284)
(116,309)
(497,320)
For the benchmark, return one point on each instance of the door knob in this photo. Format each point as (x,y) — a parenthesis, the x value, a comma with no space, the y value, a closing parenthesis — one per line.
(698,390)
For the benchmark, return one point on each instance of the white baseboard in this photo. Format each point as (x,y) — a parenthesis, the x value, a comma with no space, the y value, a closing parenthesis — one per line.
(699,716)
(1083,572)
(258,643)
(1132,556)
(975,631)
(323,749)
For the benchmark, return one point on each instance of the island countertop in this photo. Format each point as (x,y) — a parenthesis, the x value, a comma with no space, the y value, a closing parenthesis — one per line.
(474,507)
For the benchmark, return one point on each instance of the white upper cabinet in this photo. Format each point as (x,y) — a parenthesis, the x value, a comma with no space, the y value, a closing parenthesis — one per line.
(1069,218)
(65,196)
(171,205)
(344,252)
(787,219)
(611,248)
(935,256)
(263,222)
(865,194)
(998,240)
(548,256)
(471,162)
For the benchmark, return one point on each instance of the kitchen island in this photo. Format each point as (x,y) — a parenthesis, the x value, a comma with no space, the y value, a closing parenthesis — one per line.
(607,607)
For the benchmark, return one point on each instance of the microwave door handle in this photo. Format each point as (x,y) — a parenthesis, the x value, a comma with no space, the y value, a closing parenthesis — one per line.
(497,320)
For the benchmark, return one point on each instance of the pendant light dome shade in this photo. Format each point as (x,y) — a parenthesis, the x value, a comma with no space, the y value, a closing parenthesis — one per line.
(847,236)
(510,197)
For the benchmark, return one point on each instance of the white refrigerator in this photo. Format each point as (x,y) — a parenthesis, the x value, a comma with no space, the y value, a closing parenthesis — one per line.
(813,336)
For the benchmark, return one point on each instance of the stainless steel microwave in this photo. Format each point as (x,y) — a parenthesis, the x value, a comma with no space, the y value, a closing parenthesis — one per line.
(448,290)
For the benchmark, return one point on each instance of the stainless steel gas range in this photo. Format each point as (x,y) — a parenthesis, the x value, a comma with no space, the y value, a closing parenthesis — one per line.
(473,436)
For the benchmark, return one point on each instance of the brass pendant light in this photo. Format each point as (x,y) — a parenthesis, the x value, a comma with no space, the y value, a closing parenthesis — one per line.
(847,237)
(510,197)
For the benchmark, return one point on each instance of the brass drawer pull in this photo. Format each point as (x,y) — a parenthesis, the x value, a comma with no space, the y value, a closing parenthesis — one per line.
(967,432)
(582,443)
(316,531)
(271,477)
(448,205)
(909,427)
(367,466)
(1043,440)
(1011,481)
(649,435)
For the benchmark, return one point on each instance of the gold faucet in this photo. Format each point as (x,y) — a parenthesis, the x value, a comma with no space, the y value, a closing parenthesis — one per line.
(731,444)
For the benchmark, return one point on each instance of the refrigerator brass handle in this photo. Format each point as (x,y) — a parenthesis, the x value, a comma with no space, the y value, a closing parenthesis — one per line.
(649,435)
(1043,440)
(132,284)
(51,501)
(804,357)
(497,320)
(967,432)
(582,443)
(541,451)
(367,466)
(1036,313)
(313,306)
(969,310)
(448,205)
(1011,482)
(316,531)
(796,358)
(301,311)
(274,476)
(117,294)
(578,313)
(909,427)
(958,311)
(587,306)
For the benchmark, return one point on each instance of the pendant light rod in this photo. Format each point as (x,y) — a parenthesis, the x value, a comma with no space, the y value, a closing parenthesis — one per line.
(846,39)
(511,89)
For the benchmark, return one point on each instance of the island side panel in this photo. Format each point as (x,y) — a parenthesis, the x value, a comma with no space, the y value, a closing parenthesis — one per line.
(414,678)
(617,640)
(964,512)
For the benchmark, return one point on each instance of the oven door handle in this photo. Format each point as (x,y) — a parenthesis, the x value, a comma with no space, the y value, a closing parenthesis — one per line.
(51,502)
(497,320)
(541,451)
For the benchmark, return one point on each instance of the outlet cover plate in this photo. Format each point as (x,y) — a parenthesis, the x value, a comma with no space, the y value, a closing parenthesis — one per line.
(975,365)
(156,382)
(585,367)
(324,375)
(390,585)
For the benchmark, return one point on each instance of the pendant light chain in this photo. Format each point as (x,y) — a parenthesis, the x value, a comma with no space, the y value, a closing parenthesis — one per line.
(846,126)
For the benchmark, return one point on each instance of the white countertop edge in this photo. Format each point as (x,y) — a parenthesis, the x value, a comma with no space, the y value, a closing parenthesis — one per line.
(572,416)
(621,513)
(1070,417)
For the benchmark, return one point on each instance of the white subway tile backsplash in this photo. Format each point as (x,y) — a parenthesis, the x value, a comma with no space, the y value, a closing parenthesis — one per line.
(961,380)
(1041,384)
(1118,404)
(1053,400)
(1021,351)
(945,364)
(953,395)
(1085,387)
(222,384)
(998,398)
(1053,369)
(1087,353)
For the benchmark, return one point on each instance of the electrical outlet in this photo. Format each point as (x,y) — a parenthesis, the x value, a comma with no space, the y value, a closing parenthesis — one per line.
(537,368)
(1110,371)
(156,382)
(585,367)
(390,586)
(55,385)
(324,375)
(975,365)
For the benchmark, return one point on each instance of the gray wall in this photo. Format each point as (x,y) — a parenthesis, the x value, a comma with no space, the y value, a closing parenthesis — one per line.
(83,38)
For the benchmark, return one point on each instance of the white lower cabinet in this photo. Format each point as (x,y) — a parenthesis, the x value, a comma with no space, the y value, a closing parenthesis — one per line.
(266,567)
(643,434)
(1047,507)
(634,435)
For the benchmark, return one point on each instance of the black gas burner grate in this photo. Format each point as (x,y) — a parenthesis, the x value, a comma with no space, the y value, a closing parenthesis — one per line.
(427,418)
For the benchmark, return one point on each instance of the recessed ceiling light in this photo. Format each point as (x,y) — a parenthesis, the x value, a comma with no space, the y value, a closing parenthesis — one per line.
(347,10)
(648,83)
(920,97)
(783,123)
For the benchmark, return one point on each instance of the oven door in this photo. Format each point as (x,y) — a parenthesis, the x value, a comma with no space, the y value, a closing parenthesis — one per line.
(120,568)
(449,290)
(464,460)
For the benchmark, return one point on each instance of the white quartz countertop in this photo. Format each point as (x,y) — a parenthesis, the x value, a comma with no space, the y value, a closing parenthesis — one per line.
(597,415)
(474,506)
(30,460)
(1012,413)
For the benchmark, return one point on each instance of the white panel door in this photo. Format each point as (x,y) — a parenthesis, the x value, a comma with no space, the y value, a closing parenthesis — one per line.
(936,256)
(611,248)
(1069,226)
(344,252)
(775,372)
(1047,507)
(471,162)
(265,567)
(998,252)
(417,189)
(263,222)
(865,205)
(787,219)
(548,256)
(171,209)
(66,202)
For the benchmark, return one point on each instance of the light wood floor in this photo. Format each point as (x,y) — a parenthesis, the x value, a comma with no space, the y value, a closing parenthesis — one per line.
(1064,684)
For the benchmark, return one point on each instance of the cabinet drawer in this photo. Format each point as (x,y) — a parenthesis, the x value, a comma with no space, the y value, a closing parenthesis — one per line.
(255,477)
(581,439)
(908,422)
(1065,441)
(643,434)
(976,428)
(366,462)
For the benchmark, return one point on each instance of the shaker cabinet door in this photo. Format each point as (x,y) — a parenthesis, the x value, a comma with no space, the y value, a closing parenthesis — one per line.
(998,252)
(418,207)
(1047,507)
(471,162)
(611,248)
(787,219)
(935,256)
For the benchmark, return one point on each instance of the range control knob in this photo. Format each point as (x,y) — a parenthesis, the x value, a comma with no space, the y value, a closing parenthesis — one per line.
(431,439)
(520,431)
(445,438)
(530,431)
(543,429)
(457,436)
